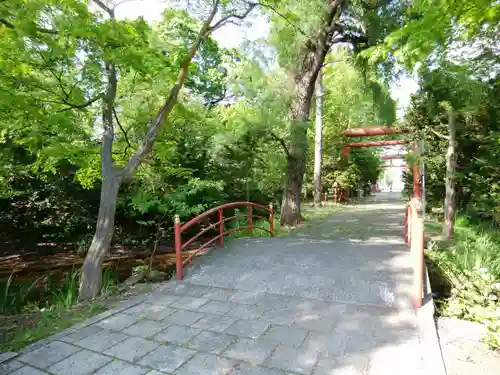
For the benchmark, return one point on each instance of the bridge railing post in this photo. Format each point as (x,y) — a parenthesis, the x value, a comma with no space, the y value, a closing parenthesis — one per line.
(271,219)
(178,247)
(221,227)
(250,220)
(417,248)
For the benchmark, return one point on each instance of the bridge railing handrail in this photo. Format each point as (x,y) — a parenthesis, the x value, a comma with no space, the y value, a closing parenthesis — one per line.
(414,237)
(179,229)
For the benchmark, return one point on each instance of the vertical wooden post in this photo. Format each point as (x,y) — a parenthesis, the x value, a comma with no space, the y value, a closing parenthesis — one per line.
(178,245)
(417,249)
(221,228)
(250,220)
(407,217)
(271,219)
(417,191)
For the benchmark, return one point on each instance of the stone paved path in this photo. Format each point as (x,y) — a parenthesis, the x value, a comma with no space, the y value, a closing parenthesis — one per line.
(332,299)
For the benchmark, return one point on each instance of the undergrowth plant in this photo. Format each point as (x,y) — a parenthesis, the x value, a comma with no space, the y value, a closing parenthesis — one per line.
(48,292)
(470,266)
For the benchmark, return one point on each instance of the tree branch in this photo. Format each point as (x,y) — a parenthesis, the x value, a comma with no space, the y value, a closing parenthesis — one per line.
(81,106)
(125,134)
(281,141)
(230,18)
(108,135)
(440,135)
(100,4)
(282,16)
(156,123)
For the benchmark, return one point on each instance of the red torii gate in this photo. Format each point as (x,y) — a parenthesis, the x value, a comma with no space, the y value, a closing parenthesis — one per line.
(414,225)
(379,131)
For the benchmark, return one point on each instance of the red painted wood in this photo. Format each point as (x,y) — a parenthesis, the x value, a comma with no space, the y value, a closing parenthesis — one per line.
(221,228)
(390,142)
(178,255)
(372,131)
(178,229)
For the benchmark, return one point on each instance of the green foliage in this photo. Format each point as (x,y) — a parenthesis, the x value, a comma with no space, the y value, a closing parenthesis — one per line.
(14,298)
(478,135)
(48,323)
(428,27)
(469,270)
(47,292)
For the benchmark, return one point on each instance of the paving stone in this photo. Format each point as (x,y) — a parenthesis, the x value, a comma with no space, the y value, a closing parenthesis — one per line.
(289,336)
(93,319)
(167,358)
(213,342)
(274,301)
(218,294)
(291,359)
(80,334)
(248,369)
(122,368)
(153,312)
(134,310)
(279,316)
(206,364)
(250,350)
(189,303)
(162,299)
(118,322)
(8,367)
(217,307)
(81,363)
(102,340)
(132,349)
(51,353)
(327,344)
(352,365)
(246,311)
(183,318)
(176,334)
(248,328)
(61,334)
(6,356)
(145,328)
(36,345)
(28,370)
(247,298)
(129,302)
(189,290)
(217,323)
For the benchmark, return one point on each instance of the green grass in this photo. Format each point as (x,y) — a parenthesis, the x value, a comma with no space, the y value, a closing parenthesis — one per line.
(466,274)
(45,324)
(47,305)
(47,292)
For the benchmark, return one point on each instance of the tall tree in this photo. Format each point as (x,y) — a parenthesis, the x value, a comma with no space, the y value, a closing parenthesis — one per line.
(112,177)
(85,54)
(304,32)
(318,144)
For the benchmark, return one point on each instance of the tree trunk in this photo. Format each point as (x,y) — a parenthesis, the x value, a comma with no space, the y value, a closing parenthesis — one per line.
(450,178)
(90,283)
(297,152)
(313,53)
(318,144)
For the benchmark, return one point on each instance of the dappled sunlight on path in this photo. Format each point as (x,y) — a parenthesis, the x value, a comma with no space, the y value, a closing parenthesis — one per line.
(331,299)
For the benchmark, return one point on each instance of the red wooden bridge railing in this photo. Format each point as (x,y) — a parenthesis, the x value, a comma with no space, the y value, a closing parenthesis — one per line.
(179,229)
(414,237)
